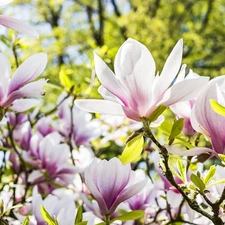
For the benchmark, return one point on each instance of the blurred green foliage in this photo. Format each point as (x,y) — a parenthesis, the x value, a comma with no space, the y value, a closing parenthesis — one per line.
(70,30)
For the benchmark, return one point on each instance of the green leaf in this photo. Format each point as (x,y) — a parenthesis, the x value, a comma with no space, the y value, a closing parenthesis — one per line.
(26,221)
(47,218)
(198,182)
(102,223)
(133,215)
(132,150)
(156,113)
(176,128)
(182,169)
(219,109)
(82,223)
(79,216)
(210,174)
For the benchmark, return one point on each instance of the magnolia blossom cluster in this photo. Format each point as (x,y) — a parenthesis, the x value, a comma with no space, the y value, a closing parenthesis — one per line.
(62,167)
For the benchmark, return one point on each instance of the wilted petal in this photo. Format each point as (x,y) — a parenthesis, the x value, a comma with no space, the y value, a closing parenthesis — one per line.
(192,152)
(28,71)
(185,90)
(17,25)
(21,105)
(107,107)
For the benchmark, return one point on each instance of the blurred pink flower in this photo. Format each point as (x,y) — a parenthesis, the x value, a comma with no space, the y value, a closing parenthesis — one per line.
(16,24)
(135,91)
(14,90)
(110,183)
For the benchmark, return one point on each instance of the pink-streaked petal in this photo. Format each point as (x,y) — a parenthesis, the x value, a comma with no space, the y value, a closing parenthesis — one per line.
(17,25)
(108,79)
(108,95)
(34,89)
(170,70)
(192,152)
(21,105)
(185,90)
(106,107)
(135,68)
(182,109)
(208,122)
(28,71)
(128,193)
(92,187)
(5,2)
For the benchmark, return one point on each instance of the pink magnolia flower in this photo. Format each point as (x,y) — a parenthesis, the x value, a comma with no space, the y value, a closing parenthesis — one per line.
(135,91)
(16,24)
(13,91)
(205,120)
(110,183)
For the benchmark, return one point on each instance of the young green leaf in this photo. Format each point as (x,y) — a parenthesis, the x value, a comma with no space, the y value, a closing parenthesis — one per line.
(176,128)
(156,113)
(182,169)
(133,215)
(26,221)
(82,223)
(210,174)
(132,150)
(47,218)
(219,109)
(175,173)
(198,182)
(79,216)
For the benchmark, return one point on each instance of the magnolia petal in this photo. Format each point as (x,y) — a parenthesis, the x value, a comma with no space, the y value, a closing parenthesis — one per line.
(192,152)
(28,71)
(106,107)
(108,79)
(173,198)
(21,105)
(157,122)
(97,195)
(128,193)
(34,89)
(135,68)
(170,69)
(17,25)
(185,90)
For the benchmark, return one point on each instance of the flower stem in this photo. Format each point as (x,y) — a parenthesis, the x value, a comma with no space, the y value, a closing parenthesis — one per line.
(107,219)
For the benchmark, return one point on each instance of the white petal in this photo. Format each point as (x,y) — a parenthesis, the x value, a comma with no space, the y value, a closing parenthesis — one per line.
(5,2)
(170,69)
(106,107)
(21,105)
(185,90)
(17,25)
(28,71)
(192,152)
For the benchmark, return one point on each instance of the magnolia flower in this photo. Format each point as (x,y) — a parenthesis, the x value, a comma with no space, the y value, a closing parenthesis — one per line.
(16,24)
(135,91)
(110,183)
(14,90)
(50,158)
(84,129)
(205,120)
